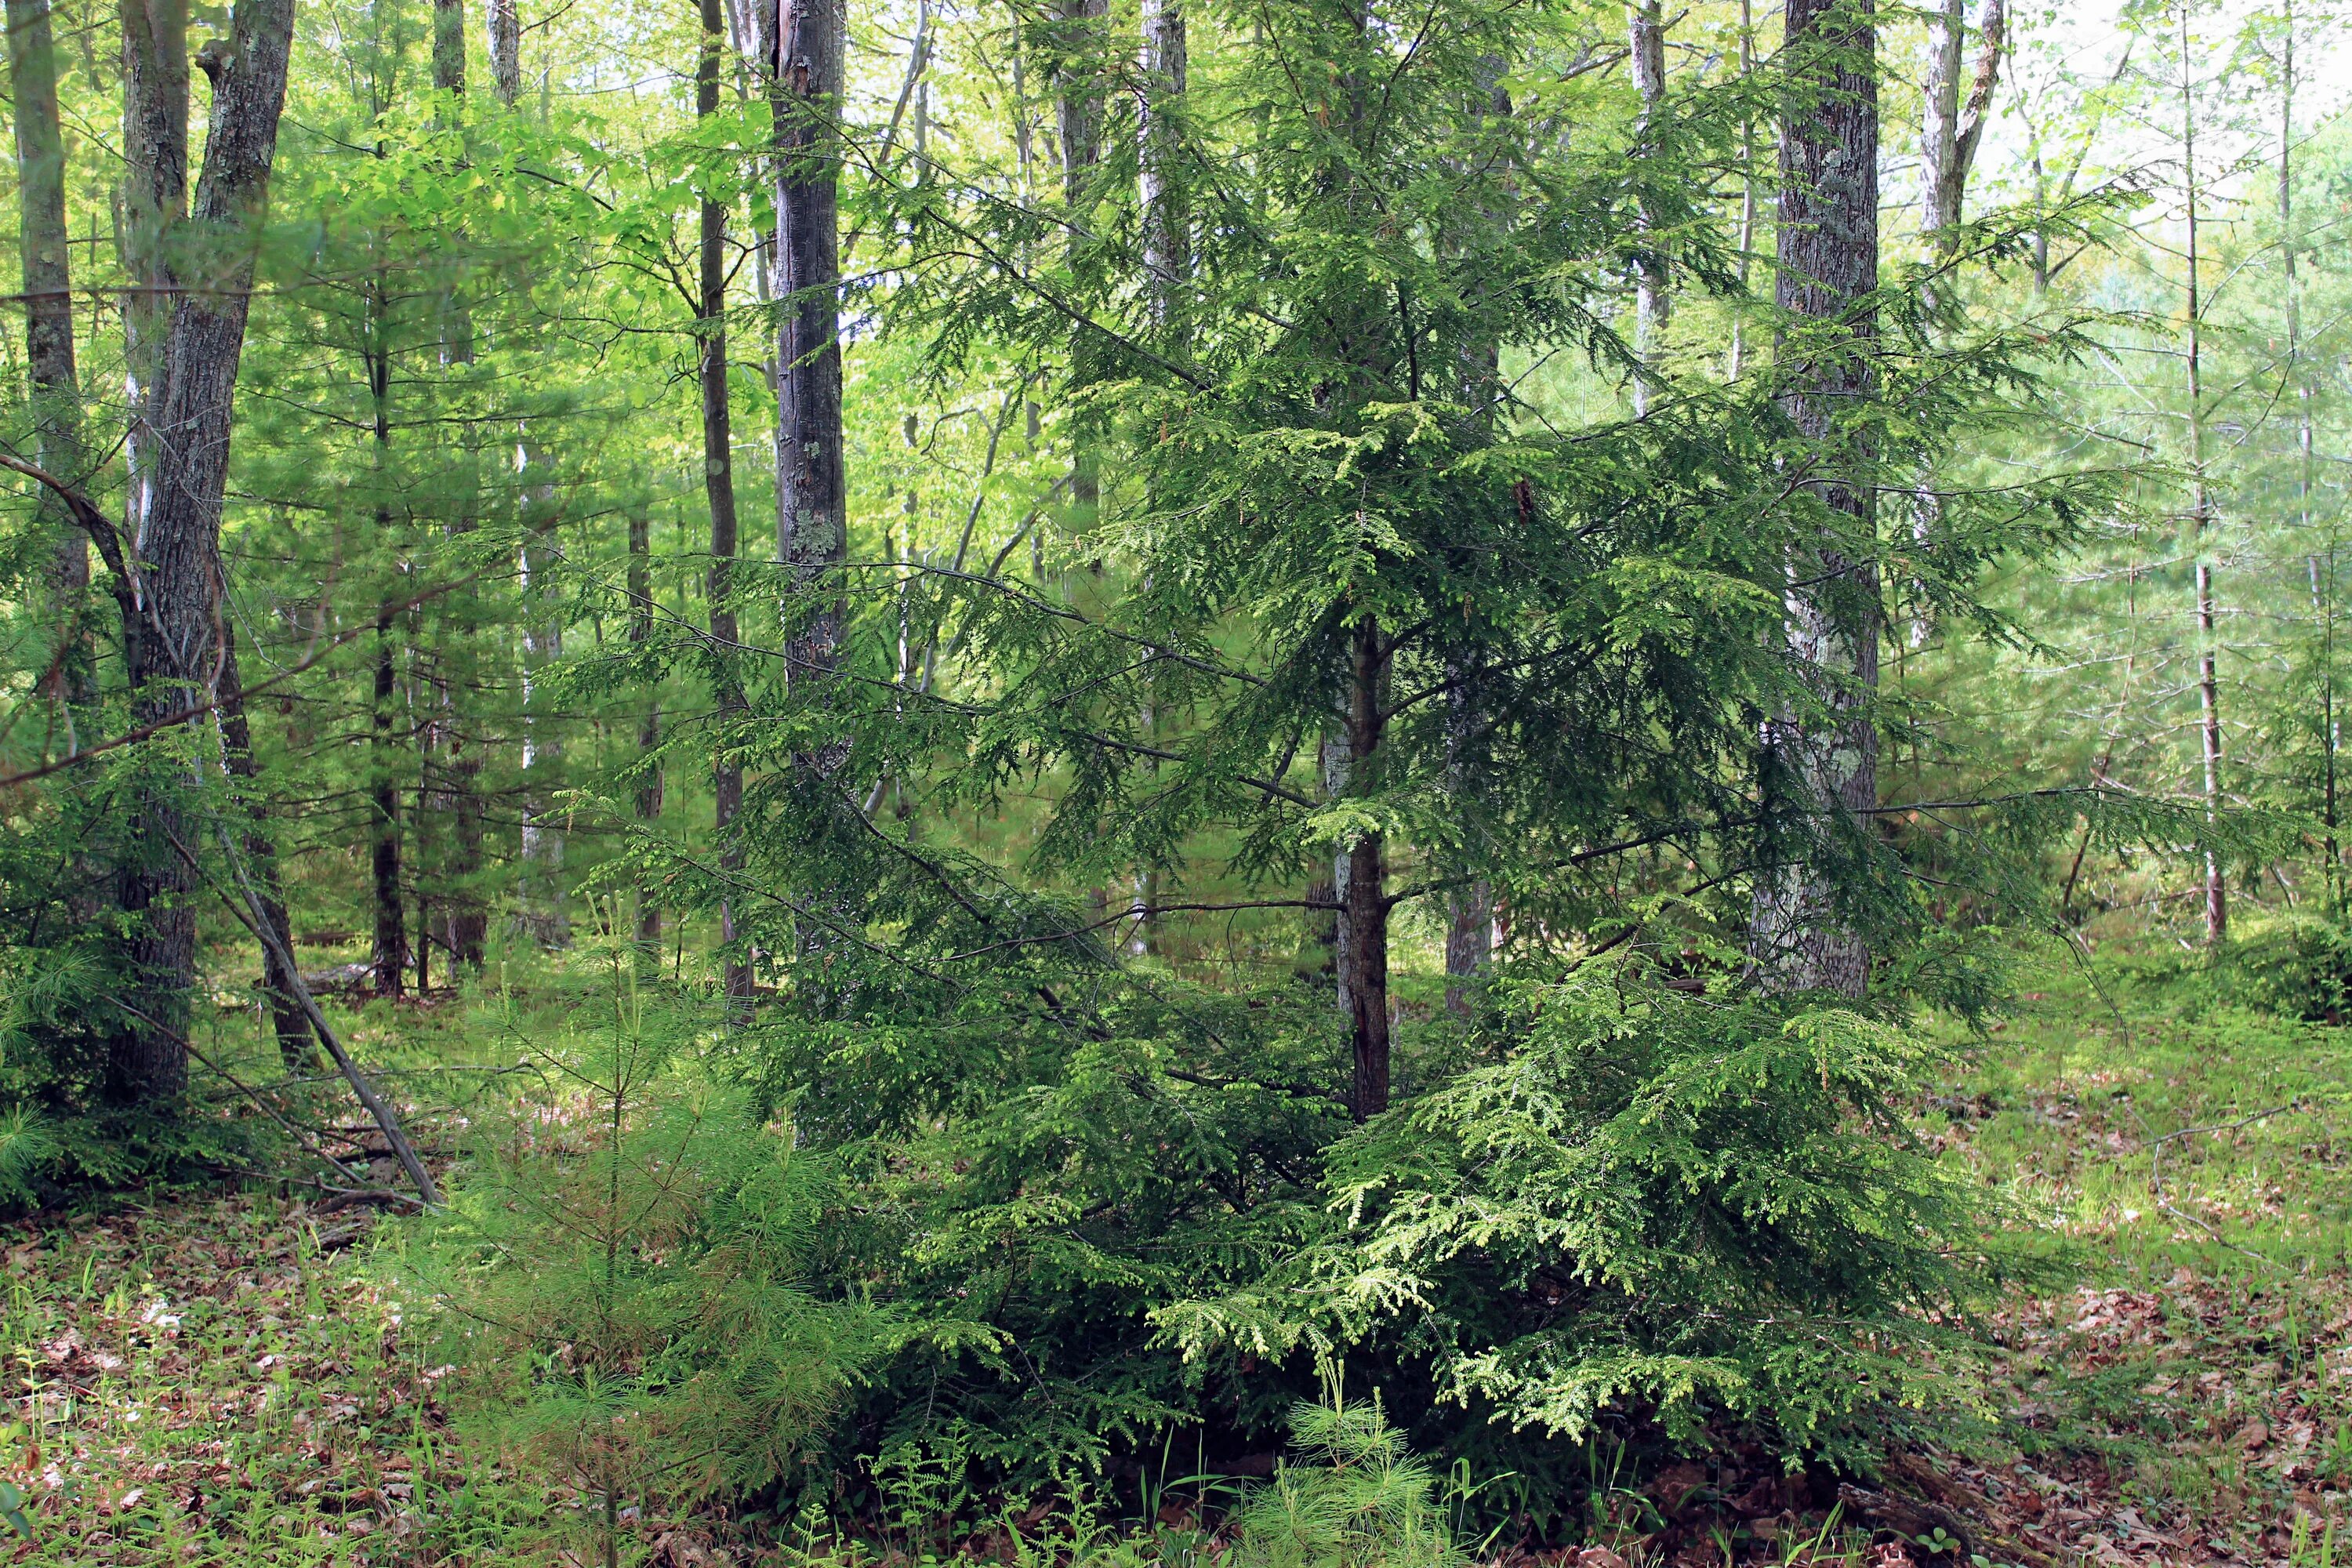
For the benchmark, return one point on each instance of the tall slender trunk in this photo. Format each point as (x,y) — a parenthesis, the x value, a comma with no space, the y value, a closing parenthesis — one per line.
(540,908)
(279,986)
(2323,582)
(70,680)
(650,787)
(1470,907)
(1824,767)
(2209,686)
(154,203)
(719,488)
(389,957)
(1167,209)
(178,650)
(1737,361)
(1077,109)
(387,755)
(541,905)
(1949,131)
(448,46)
(812,520)
(504,25)
(1645,28)
(1363,897)
(455,766)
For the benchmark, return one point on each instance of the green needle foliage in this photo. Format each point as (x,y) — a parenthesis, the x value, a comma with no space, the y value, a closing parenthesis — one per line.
(1691,1205)
(630,1274)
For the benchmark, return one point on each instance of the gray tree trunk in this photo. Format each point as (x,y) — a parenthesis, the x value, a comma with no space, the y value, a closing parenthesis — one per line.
(1826,767)
(1645,29)
(288,1021)
(1951,128)
(1949,133)
(71,681)
(178,653)
(448,46)
(1077,114)
(504,24)
(812,515)
(719,488)
(649,788)
(1167,212)
(1362,890)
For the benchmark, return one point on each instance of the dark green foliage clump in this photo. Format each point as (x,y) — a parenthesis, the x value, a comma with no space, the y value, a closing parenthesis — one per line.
(1676,1207)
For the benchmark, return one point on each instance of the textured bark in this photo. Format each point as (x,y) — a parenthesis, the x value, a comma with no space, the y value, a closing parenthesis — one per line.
(1645,30)
(812,520)
(1078,114)
(504,24)
(1826,768)
(71,678)
(1949,133)
(541,911)
(389,959)
(287,1018)
(386,759)
(1950,127)
(154,203)
(2209,684)
(649,788)
(1167,212)
(719,488)
(448,46)
(1363,953)
(208,270)
(1470,908)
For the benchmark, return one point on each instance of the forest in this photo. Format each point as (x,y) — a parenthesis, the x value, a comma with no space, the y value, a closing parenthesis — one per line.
(1152,784)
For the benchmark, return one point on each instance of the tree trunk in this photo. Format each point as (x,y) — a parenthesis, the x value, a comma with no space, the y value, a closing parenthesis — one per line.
(1949,127)
(2209,686)
(390,954)
(1167,212)
(1736,362)
(287,1018)
(2323,585)
(1077,109)
(505,28)
(1949,133)
(448,46)
(1363,897)
(719,488)
(649,788)
(155,203)
(70,680)
(1645,29)
(540,903)
(812,522)
(178,650)
(1470,908)
(1824,767)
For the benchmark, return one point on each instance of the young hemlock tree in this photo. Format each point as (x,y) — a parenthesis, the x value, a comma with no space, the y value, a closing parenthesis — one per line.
(1377,490)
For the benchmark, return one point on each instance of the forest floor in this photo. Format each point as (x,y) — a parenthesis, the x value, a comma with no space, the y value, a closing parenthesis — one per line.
(225,1378)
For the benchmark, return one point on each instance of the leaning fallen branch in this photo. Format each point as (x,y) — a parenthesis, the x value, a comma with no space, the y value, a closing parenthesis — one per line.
(252,919)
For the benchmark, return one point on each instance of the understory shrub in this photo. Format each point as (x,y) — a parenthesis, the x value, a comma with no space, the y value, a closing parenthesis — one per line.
(622,1272)
(1649,1211)
(2294,962)
(1623,1213)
